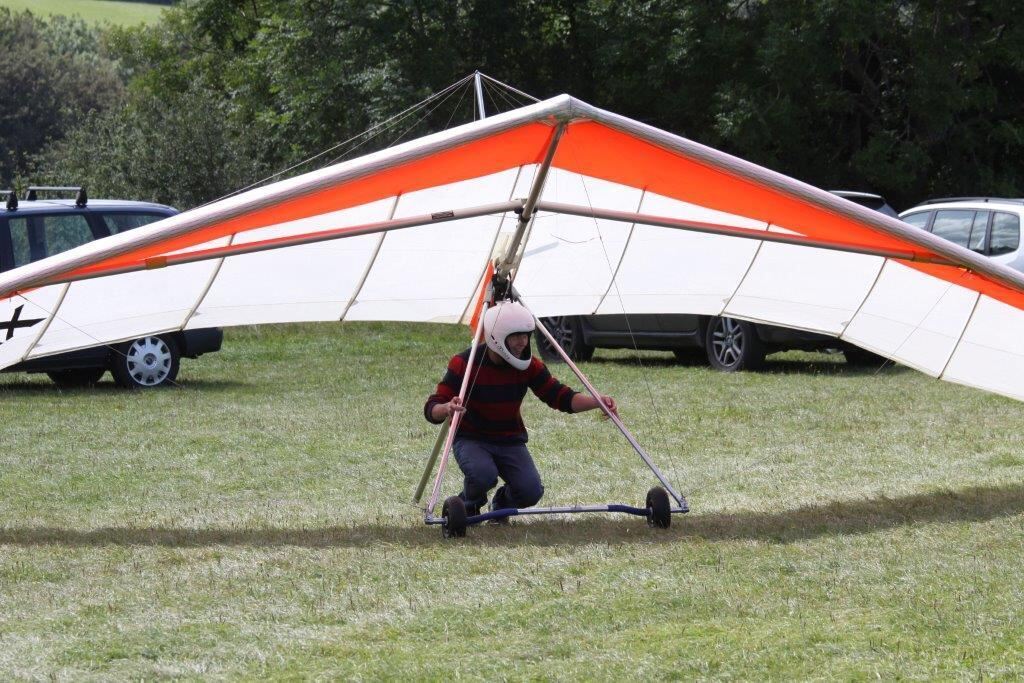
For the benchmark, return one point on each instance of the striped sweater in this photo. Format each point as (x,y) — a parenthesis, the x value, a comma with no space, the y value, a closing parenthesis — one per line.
(495,393)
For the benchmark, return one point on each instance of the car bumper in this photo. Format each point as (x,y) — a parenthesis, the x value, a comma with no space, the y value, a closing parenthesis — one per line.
(195,343)
(191,344)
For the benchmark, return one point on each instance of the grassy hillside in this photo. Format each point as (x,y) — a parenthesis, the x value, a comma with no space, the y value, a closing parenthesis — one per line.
(255,522)
(92,11)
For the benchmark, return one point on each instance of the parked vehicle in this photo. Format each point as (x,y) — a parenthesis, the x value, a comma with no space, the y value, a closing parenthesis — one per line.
(34,228)
(986,225)
(872,201)
(726,344)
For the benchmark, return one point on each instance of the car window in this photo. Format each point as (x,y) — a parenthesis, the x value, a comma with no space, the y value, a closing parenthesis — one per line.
(1005,233)
(918,220)
(119,222)
(978,232)
(36,237)
(27,244)
(5,246)
(954,225)
(66,232)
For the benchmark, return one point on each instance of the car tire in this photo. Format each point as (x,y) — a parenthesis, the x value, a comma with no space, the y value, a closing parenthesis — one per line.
(568,332)
(146,363)
(76,378)
(733,345)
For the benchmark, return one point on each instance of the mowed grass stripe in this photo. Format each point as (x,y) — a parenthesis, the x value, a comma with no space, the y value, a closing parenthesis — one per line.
(92,11)
(255,522)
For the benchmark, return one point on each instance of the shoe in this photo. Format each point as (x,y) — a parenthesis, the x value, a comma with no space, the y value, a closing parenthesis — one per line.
(473,508)
(498,521)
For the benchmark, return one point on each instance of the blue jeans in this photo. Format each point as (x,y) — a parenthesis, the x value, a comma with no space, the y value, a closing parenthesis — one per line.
(482,462)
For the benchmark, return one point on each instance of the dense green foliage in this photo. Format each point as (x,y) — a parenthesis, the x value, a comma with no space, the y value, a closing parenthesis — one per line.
(54,72)
(914,98)
(907,97)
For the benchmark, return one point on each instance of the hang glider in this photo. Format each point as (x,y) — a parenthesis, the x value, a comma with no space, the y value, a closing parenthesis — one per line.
(588,211)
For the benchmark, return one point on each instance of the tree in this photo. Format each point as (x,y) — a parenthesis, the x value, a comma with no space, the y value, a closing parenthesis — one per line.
(910,98)
(54,74)
(175,150)
(906,97)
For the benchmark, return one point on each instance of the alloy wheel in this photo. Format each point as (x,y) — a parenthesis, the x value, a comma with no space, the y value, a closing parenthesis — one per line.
(727,341)
(149,361)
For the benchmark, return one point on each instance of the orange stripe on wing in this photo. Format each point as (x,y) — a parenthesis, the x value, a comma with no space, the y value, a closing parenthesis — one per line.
(481,296)
(525,144)
(596,150)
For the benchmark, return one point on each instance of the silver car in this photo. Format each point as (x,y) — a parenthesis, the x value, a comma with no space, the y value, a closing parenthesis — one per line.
(986,225)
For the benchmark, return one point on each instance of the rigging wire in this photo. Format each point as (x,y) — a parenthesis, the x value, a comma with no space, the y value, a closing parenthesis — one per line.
(509,88)
(455,109)
(490,97)
(387,123)
(378,129)
(393,125)
(660,422)
(420,120)
(505,95)
(512,104)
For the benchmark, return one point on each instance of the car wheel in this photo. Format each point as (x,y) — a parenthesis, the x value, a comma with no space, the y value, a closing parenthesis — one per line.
(76,378)
(146,363)
(733,345)
(568,332)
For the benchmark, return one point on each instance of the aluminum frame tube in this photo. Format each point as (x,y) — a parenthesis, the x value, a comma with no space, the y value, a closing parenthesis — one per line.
(744,233)
(156,262)
(442,434)
(478,86)
(612,416)
(507,263)
(560,510)
(435,493)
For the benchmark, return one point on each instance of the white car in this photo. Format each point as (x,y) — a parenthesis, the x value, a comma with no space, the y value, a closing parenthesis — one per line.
(987,225)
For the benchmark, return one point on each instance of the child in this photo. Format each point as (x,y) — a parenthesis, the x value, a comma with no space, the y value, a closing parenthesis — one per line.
(491,439)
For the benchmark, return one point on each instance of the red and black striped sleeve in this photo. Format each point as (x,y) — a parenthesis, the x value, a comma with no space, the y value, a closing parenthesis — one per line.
(449,386)
(548,389)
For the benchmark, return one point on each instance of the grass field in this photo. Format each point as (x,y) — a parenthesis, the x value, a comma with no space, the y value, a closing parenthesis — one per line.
(92,11)
(255,522)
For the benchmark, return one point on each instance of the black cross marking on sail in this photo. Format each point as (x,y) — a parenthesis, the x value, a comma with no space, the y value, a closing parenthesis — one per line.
(15,322)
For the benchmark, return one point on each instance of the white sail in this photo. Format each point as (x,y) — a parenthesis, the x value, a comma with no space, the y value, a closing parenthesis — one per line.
(630,219)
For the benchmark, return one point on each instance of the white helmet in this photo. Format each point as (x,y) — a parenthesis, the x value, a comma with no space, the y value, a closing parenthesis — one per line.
(504,319)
